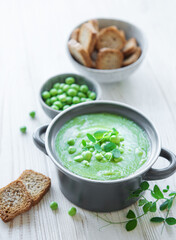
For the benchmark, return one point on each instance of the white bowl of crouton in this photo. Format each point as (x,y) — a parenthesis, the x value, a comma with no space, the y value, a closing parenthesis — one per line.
(106,50)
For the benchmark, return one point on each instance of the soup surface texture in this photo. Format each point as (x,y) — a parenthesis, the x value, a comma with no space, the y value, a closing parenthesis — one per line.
(102,146)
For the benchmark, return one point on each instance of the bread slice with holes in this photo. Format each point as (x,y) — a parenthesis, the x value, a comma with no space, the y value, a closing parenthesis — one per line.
(14,200)
(36,184)
(109,59)
(129,47)
(75,34)
(110,37)
(132,58)
(88,37)
(79,53)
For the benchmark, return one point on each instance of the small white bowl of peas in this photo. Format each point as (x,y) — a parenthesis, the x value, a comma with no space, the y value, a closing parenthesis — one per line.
(65,90)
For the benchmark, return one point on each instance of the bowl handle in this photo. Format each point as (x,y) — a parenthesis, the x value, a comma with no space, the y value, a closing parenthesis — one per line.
(39,142)
(157,174)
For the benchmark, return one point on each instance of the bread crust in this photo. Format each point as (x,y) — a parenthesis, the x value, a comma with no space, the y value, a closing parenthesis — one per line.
(79,53)
(75,34)
(132,58)
(109,59)
(110,37)
(9,208)
(130,47)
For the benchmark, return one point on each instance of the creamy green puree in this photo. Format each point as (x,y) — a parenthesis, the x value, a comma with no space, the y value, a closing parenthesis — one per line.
(121,146)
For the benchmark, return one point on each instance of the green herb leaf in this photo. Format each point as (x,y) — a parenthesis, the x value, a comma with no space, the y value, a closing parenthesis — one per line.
(170,203)
(131,225)
(156,193)
(142,202)
(99,134)
(116,153)
(147,206)
(91,137)
(130,214)
(97,147)
(109,147)
(157,219)
(172,194)
(153,207)
(170,221)
(144,185)
(115,131)
(164,205)
(84,143)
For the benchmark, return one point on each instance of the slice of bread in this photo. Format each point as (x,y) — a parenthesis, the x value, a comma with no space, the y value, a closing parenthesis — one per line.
(129,47)
(75,34)
(122,33)
(109,59)
(110,37)
(14,200)
(95,24)
(88,37)
(79,53)
(36,184)
(132,58)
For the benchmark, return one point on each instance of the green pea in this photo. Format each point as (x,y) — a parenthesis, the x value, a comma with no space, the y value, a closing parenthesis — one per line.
(75,86)
(54,205)
(53,92)
(78,158)
(68,100)
(45,95)
(91,149)
(55,107)
(23,129)
(115,139)
(88,93)
(71,150)
(69,80)
(60,91)
(56,86)
(102,146)
(103,153)
(84,88)
(71,92)
(98,156)
(87,155)
(53,99)
(48,102)
(65,107)
(92,95)
(76,100)
(83,99)
(66,87)
(81,95)
(62,85)
(58,104)
(71,141)
(118,159)
(86,163)
(108,156)
(32,114)
(62,97)
(72,211)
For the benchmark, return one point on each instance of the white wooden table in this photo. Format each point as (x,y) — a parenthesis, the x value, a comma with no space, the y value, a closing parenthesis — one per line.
(32,49)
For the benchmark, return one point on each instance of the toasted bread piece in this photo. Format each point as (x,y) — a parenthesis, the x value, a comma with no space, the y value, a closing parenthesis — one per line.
(132,58)
(95,24)
(75,34)
(36,184)
(110,37)
(14,200)
(122,33)
(129,47)
(88,37)
(109,59)
(79,53)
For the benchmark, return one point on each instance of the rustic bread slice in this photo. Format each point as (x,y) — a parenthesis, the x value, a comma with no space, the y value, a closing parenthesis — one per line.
(88,37)
(129,47)
(14,200)
(75,34)
(79,53)
(110,37)
(36,184)
(132,58)
(109,59)
(95,24)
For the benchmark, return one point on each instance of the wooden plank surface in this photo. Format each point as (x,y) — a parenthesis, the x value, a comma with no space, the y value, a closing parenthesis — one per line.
(32,49)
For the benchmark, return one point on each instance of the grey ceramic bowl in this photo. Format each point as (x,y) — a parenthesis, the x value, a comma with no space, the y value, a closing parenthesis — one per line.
(93,86)
(114,75)
(104,196)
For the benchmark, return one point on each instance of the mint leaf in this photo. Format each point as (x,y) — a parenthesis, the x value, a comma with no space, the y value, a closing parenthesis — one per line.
(84,143)
(99,134)
(109,147)
(130,214)
(142,202)
(91,137)
(116,153)
(97,147)
(164,205)
(157,219)
(131,225)
(170,221)
(156,193)
(147,206)
(144,185)
(172,194)
(153,207)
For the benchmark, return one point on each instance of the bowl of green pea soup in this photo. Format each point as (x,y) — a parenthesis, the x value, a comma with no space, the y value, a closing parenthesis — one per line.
(65,90)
